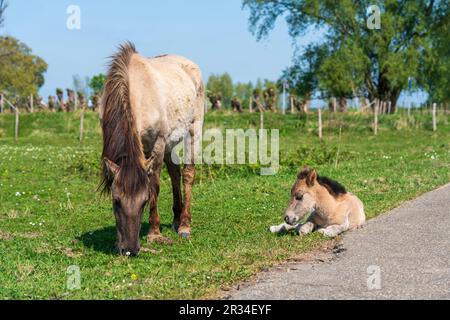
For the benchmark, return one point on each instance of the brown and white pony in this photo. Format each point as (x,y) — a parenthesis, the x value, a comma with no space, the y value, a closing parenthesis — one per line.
(333,210)
(148,106)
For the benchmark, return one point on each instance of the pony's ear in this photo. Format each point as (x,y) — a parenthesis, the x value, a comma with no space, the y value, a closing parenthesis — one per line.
(112,168)
(312,177)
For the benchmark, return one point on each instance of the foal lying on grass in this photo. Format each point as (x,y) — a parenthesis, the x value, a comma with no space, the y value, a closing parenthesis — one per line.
(333,210)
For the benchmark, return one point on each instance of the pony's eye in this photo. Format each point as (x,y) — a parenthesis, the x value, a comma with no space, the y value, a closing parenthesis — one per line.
(299,197)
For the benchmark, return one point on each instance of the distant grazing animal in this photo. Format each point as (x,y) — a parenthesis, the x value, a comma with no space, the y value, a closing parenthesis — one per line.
(333,209)
(147,108)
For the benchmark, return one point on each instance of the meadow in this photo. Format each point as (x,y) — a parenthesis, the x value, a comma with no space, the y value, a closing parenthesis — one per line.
(52,217)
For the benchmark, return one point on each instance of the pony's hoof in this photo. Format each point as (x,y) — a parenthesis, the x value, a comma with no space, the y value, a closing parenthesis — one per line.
(175,227)
(185,235)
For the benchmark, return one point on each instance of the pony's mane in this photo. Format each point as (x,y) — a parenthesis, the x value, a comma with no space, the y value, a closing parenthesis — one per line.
(121,143)
(334,188)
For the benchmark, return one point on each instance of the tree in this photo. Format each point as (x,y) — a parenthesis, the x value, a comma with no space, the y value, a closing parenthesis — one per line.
(221,85)
(243,91)
(97,83)
(21,72)
(351,57)
(3,6)
(436,73)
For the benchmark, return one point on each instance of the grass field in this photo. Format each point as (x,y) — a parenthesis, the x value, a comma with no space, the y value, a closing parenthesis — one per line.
(51,216)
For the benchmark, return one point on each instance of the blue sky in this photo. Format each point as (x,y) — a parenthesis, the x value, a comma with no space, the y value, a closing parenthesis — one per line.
(213,33)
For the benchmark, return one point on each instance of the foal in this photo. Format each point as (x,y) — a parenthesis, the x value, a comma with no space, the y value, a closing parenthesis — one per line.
(333,209)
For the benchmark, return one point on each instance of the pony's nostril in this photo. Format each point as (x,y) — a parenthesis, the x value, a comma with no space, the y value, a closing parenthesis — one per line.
(286,219)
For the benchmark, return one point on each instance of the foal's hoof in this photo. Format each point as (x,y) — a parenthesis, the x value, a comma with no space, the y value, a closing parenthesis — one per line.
(152,238)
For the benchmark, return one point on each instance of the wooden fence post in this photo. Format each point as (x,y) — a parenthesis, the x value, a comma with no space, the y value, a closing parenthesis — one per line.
(389,107)
(16,126)
(250,105)
(31,103)
(375,120)
(434,117)
(261,119)
(81,124)
(320,122)
(2,103)
(292,105)
(334,105)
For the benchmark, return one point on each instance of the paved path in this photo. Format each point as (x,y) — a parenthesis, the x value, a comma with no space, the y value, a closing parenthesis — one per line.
(409,246)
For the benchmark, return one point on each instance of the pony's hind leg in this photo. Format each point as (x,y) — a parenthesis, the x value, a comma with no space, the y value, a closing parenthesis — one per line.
(192,146)
(175,177)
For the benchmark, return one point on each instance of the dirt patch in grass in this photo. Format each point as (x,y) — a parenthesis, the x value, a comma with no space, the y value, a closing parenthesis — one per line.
(5,236)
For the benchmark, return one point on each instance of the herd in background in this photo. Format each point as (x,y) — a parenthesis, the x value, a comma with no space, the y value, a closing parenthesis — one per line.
(58,103)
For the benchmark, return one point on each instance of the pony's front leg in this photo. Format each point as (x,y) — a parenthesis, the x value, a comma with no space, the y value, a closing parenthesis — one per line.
(154,234)
(333,230)
(282,228)
(306,228)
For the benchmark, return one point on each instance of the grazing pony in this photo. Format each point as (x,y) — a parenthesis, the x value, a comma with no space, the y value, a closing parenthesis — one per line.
(333,210)
(148,106)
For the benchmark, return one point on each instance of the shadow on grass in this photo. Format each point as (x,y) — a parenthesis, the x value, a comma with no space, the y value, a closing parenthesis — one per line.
(104,239)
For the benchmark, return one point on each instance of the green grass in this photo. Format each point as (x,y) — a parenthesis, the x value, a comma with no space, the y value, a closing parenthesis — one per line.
(51,216)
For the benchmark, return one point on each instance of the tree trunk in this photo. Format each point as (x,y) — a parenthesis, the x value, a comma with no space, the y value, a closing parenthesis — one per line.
(342,104)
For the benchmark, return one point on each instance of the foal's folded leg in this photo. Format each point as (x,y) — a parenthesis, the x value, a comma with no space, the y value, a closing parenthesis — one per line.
(282,228)
(333,230)
(306,228)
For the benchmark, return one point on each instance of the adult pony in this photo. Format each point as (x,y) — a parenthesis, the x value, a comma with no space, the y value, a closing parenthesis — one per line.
(148,106)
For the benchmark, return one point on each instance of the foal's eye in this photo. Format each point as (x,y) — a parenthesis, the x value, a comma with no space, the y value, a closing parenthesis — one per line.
(299,197)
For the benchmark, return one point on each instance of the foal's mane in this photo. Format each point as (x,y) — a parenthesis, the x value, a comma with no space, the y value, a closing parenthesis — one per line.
(333,187)
(121,143)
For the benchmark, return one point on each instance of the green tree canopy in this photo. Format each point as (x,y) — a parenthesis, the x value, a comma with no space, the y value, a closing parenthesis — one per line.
(351,57)
(436,66)
(97,83)
(243,91)
(21,72)
(221,85)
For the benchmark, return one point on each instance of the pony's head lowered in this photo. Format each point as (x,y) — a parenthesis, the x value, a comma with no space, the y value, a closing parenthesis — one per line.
(125,172)
(307,191)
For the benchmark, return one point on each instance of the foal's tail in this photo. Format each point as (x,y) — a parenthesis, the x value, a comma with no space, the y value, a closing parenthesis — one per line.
(119,132)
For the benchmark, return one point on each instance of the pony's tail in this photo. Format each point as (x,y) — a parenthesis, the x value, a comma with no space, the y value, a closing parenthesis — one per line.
(116,106)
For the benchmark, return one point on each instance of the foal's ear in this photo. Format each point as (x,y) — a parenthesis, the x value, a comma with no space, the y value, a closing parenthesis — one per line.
(112,168)
(312,177)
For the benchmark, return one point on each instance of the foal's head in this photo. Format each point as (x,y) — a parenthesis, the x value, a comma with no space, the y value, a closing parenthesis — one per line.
(130,194)
(303,196)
